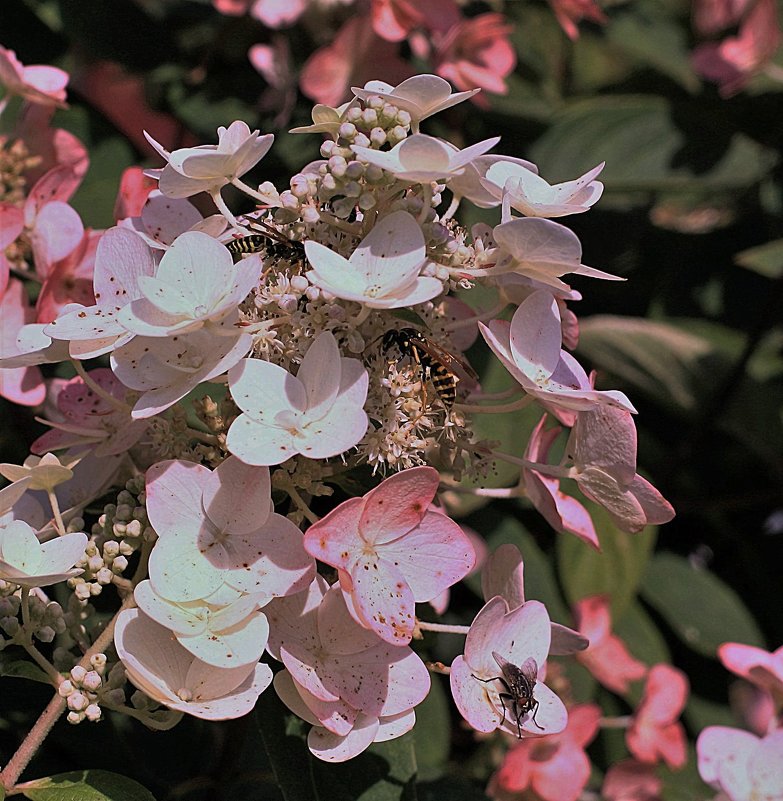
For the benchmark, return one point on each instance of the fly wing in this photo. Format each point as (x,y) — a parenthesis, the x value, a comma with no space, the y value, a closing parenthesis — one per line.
(529,674)
(452,362)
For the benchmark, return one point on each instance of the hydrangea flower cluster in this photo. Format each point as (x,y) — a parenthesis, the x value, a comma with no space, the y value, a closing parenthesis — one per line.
(258,364)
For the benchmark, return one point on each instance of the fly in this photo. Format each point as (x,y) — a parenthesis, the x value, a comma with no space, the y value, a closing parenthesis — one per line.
(518,684)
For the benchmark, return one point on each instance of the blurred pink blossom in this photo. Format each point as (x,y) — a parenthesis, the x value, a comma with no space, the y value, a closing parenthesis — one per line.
(571,12)
(732,62)
(655,733)
(630,780)
(23,385)
(134,190)
(556,768)
(355,55)
(69,280)
(743,766)
(476,52)
(762,668)
(394,20)
(38,83)
(607,658)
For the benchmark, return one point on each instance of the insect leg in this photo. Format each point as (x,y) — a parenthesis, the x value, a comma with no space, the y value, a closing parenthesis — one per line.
(535,709)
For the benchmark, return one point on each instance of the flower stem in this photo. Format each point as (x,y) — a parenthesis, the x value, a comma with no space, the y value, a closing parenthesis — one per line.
(443,628)
(469,321)
(98,389)
(26,751)
(553,470)
(58,518)
(248,190)
(301,505)
(620,722)
(502,408)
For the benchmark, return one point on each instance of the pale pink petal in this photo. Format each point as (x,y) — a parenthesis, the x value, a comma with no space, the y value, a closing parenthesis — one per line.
(535,336)
(481,639)
(504,575)
(173,617)
(433,556)
(263,390)
(275,561)
(397,504)
(340,634)
(237,497)
(394,726)
(288,692)
(383,599)
(240,644)
(332,748)
(319,373)
(121,258)
(258,443)
(239,702)
(179,571)
(173,493)
(337,431)
(724,756)
(471,699)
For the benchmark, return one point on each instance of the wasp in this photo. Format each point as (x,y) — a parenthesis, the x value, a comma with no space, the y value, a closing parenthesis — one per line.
(433,362)
(518,684)
(275,244)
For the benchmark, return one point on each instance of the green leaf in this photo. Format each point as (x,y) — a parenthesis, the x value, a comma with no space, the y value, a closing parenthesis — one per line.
(646,150)
(673,366)
(285,749)
(766,259)
(702,610)
(432,732)
(684,784)
(644,32)
(385,772)
(700,713)
(540,582)
(643,638)
(86,785)
(21,669)
(615,571)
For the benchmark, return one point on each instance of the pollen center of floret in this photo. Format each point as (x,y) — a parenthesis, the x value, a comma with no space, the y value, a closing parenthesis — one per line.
(201,310)
(184,694)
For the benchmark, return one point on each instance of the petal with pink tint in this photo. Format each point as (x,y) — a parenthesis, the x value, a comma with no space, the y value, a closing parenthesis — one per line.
(397,504)
(332,748)
(471,698)
(238,497)
(173,493)
(331,540)
(504,575)
(383,599)
(433,556)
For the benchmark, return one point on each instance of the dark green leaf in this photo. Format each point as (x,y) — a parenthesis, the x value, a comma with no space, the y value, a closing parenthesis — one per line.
(385,772)
(432,733)
(21,669)
(673,366)
(702,610)
(684,784)
(766,260)
(540,582)
(647,34)
(700,713)
(615,571)
(639,632)
(645,149)
(86,785)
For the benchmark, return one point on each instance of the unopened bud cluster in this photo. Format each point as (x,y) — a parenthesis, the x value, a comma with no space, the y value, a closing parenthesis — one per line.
(46,619)
(83,690)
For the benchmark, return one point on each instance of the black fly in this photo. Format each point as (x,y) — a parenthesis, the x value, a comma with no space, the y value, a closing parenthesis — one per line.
(518,683)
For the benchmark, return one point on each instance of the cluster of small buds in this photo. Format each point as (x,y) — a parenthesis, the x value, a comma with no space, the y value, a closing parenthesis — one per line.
(101,563)
(46,619)
(343,180)
(81,691)
(126,520)
(15,160)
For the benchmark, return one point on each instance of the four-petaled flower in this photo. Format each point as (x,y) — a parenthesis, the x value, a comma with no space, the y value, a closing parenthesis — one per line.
(384,270)
(391,551)
(318,413)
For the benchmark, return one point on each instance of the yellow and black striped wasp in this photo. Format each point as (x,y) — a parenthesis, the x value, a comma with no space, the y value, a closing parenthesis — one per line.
(434,363)
(275,244)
